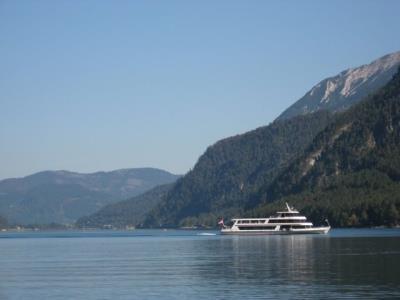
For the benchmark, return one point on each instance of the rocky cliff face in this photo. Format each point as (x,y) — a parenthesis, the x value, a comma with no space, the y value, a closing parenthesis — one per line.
(347,88)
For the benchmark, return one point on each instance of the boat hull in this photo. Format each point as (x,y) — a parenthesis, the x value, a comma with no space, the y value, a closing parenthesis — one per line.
(314,230)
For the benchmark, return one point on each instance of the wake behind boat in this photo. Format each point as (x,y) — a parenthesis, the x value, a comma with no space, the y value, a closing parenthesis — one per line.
(284,222)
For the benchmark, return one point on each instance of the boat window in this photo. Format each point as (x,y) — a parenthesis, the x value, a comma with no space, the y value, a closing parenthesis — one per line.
(254,221)
(245,221)
(287,221)
(256,227)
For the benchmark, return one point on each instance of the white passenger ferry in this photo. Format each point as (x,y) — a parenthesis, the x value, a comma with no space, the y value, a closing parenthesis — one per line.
(284,222)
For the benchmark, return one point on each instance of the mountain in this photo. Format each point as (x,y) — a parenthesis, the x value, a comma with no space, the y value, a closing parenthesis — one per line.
(235,176)
(63,196)
(350,173)
(3,222)
(130,212)
(231,171)
(347,88)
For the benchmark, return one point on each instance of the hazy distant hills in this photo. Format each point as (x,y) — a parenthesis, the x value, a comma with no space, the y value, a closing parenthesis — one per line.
(347,88)
(63,196)
(130,212)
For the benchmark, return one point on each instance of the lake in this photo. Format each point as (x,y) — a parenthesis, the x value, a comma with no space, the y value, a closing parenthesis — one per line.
(180,264)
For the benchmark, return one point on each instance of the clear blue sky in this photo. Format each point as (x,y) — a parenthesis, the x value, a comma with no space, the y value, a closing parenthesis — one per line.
(102,85)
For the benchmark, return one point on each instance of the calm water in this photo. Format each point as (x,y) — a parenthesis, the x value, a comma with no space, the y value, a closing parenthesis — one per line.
(150,264)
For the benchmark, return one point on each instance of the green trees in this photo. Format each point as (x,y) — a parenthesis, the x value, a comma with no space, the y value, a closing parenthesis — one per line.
(129,212)
(354,177)
(343,167)
(3,222)
(227,176)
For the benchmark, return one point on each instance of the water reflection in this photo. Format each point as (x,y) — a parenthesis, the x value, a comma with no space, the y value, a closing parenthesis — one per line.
(303,265)
(159,265)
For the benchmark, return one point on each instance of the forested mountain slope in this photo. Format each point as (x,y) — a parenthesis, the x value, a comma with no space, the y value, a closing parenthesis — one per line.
(231,171)
(343,166)
(351,171)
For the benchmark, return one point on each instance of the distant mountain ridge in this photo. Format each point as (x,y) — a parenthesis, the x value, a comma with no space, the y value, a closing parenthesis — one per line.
(130,212)
(64,196)
(119,183)
(339,92)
